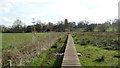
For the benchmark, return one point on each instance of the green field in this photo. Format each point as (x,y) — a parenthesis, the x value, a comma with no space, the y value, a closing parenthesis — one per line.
(11,40)
(24,49)
(97,50)
(21,48)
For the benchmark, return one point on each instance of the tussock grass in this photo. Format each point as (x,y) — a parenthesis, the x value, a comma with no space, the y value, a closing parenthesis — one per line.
(90,55)
(98,48)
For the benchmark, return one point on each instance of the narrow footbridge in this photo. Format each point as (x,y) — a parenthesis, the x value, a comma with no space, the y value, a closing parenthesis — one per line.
(70,58)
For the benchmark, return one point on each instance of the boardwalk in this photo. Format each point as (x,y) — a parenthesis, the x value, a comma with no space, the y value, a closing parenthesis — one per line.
(70,58)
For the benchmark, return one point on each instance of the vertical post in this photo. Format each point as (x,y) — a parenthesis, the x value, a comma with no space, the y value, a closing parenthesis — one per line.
(33,24)
(33,39)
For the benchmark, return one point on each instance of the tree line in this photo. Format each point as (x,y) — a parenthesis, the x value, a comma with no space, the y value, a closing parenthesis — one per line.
(62,26)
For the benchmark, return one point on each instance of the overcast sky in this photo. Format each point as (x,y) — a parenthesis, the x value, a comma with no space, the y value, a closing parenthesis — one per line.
(96,11)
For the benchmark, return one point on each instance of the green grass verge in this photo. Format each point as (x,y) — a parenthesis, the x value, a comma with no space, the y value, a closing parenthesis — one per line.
(47,58)
(94,56)
(97,50)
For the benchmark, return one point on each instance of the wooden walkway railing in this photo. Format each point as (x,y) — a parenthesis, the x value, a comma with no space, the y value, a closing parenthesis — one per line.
(70,58)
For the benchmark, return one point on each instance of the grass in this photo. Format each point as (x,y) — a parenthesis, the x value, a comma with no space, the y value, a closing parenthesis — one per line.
(22,46)
(108,42)
(97,49)
(11,40)
(36,61)
(48,58)
(110,29)
(91,54)
(18,40)
(54,60)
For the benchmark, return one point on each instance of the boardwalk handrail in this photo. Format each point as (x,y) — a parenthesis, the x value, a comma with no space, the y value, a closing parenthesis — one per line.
(70,56)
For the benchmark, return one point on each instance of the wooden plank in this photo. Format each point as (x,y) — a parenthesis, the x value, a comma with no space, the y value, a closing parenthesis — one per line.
(70,58)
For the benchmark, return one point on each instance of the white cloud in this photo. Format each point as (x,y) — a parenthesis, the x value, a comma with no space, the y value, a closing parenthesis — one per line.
(96,11)
(6,21)
(6,6)
(56,10)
